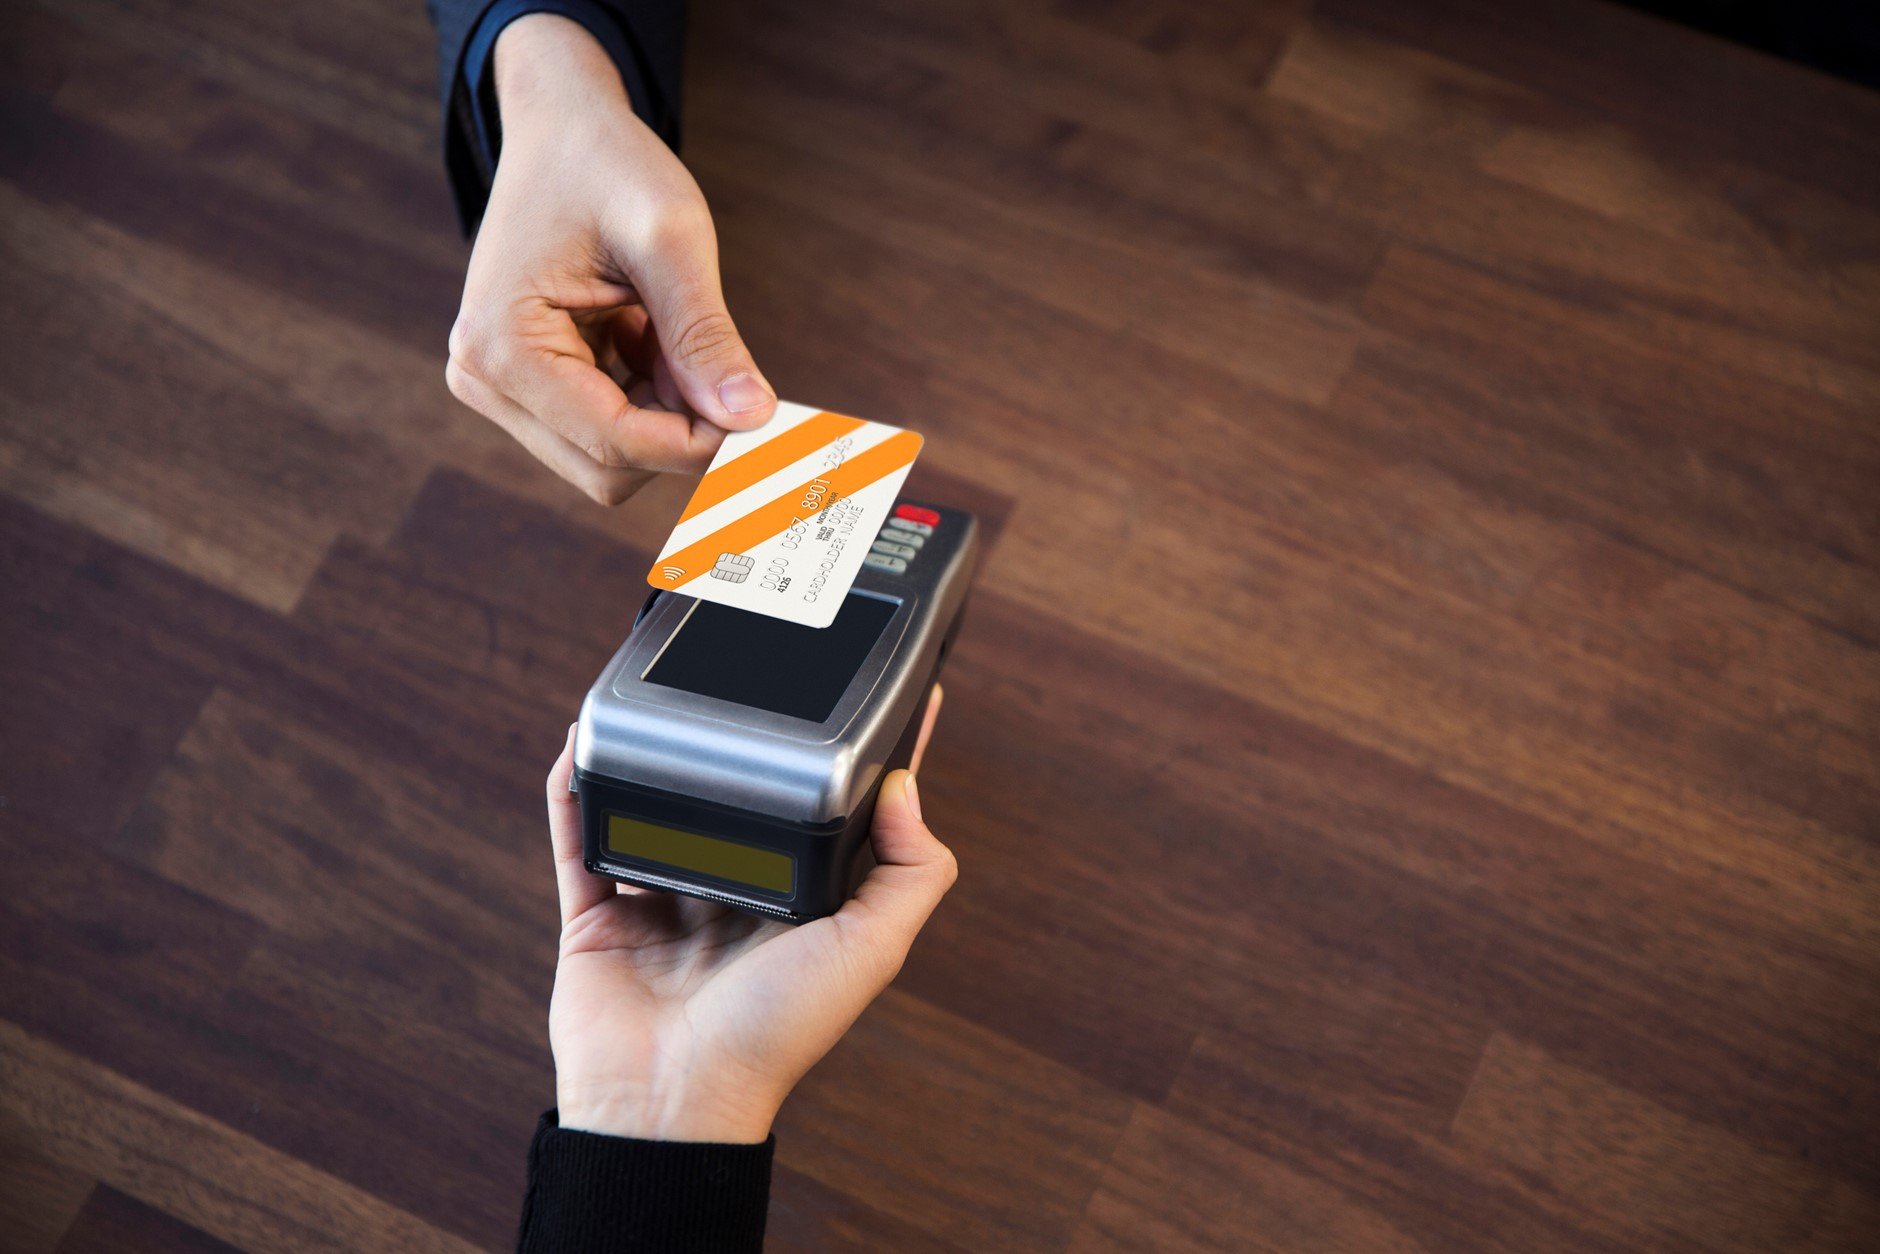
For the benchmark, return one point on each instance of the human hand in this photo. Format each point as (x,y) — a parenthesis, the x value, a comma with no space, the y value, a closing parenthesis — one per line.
(675,1019)
(593,328)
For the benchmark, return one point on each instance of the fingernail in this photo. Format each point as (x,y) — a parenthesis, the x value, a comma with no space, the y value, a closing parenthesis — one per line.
(742,393)
(913,796)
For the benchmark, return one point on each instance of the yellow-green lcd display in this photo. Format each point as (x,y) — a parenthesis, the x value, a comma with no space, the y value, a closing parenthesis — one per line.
(708,855)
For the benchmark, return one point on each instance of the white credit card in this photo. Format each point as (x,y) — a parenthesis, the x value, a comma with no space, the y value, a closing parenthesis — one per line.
(781,521)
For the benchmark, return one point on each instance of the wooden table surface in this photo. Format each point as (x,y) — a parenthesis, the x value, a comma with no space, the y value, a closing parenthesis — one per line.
(1412,759)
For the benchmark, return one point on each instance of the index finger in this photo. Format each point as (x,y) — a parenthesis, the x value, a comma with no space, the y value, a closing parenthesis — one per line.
(579,401)
(540,361)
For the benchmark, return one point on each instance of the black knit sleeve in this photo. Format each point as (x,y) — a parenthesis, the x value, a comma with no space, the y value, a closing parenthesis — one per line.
(615,1195)
(644,38)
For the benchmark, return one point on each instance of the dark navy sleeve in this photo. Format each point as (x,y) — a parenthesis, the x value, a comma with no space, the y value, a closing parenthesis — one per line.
(644,38)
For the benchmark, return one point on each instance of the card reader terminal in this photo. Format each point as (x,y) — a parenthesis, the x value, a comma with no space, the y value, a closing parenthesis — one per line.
(733,756)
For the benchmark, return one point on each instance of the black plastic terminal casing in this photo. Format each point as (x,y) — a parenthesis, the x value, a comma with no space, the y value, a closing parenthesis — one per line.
(634,728)
(831,860)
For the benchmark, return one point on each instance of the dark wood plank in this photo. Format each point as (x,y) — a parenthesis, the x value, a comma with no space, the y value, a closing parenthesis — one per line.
(189,1166)
(148,961)
(1205,213)
(89,686)
(1337,840)
(1695,94)
(114,1221)
(242,486)
(39,1199)
(1171,1186)
(1708,470)
(1389,1166)
(64,161)
(857,1124)
(1622,1164)
(808,1215)
(183,159)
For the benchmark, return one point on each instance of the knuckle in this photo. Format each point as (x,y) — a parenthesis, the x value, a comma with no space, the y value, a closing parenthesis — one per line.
(612,448)
(603,448)
(595,448)
(680,224)
(457,379)
(597,440)
(480,349)
(606,490)
(703,335)
(622,486)
(467,343)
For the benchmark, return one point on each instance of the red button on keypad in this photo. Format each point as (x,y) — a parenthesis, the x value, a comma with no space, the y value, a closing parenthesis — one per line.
(919,514)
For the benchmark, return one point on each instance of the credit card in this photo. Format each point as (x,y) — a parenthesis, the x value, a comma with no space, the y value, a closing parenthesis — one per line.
(781,521)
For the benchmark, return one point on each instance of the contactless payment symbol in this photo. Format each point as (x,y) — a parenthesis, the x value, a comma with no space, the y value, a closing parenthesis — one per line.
(733,567)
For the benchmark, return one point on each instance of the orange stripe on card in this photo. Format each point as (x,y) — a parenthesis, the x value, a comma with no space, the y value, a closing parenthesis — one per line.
(675,570)
(724,482)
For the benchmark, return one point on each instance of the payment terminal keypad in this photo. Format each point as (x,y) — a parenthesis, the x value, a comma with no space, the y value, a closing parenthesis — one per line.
(902,538)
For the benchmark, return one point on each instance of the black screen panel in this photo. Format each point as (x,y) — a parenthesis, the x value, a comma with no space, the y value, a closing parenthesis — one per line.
(769,664)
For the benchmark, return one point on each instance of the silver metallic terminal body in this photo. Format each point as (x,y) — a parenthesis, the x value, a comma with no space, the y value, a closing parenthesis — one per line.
(772,764)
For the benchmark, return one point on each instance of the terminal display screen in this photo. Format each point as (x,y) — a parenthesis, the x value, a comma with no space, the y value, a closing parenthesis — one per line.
(708,855)
(770,664)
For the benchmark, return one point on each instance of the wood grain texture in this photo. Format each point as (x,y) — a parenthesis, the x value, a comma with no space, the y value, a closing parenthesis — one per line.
(116,1221)
(1414,755)
(186,1165)
(39,1199)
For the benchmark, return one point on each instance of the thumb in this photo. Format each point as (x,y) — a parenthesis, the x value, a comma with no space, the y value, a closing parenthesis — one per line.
(709,362)
(913,872)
